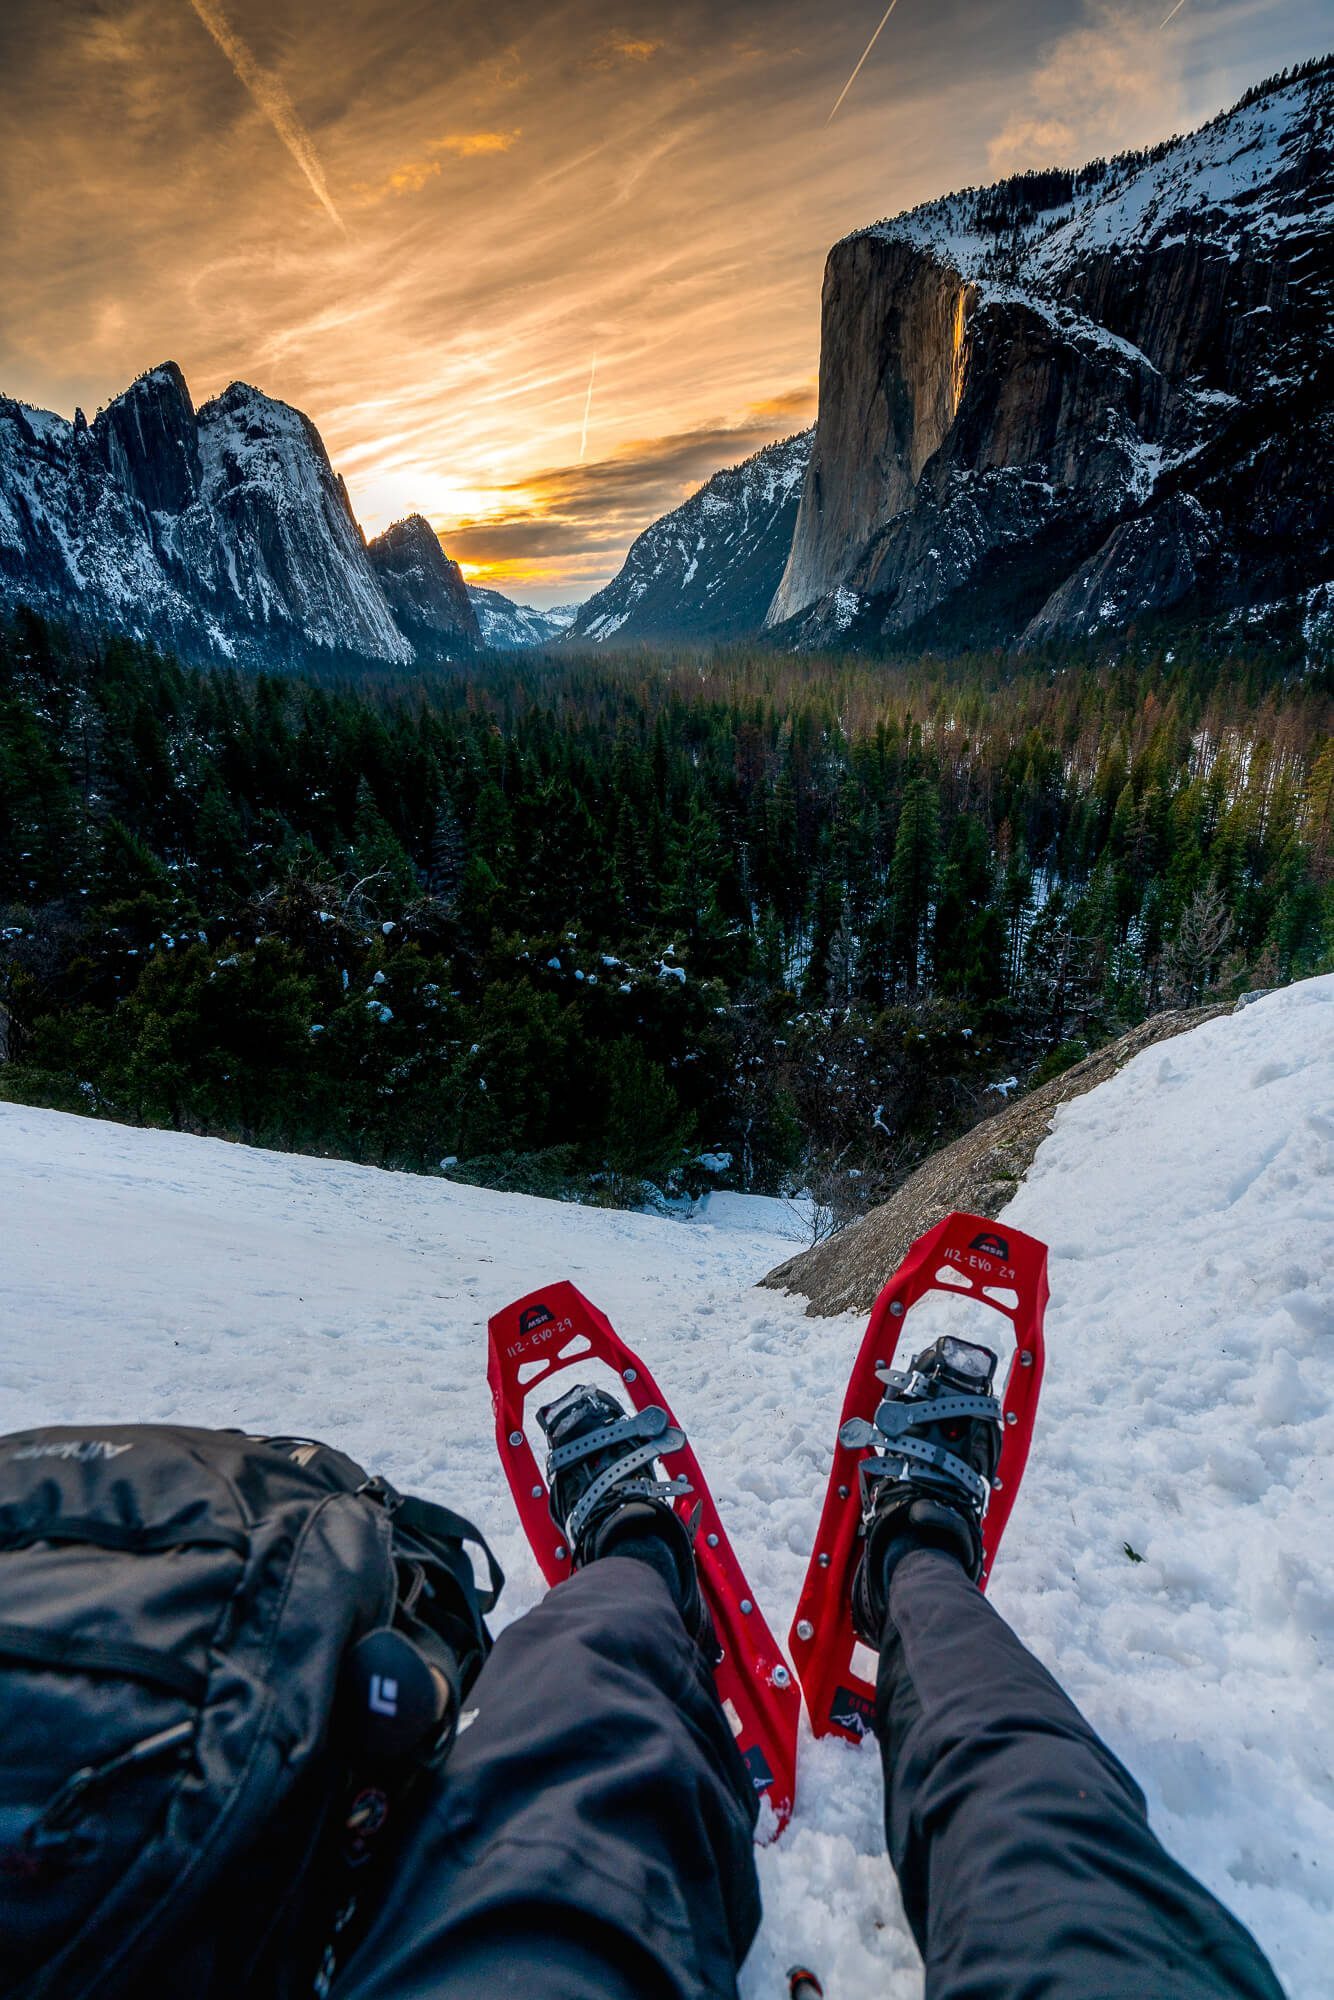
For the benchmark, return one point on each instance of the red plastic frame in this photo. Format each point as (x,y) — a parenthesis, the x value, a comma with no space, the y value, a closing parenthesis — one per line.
(753,1678)
(989,1256)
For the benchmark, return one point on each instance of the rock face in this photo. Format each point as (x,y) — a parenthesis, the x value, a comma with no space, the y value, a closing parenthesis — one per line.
(1052,405)
(709,569)
(222,533)
(424,589)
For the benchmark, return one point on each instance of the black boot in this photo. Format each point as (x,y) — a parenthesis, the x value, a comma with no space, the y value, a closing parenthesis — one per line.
(607,1499)
(936,1443)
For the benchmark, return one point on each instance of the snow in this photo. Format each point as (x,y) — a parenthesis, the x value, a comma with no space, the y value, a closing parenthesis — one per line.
(1234,176)
(1188,1413)
(846,605)
(46,426)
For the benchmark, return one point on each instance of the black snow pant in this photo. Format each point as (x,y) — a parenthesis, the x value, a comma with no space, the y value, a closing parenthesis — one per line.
(1022,1847)
(591,1837)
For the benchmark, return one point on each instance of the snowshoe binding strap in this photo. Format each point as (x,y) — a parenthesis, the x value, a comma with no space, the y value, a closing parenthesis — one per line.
(657,1436)
(652,1422)
(903,1454)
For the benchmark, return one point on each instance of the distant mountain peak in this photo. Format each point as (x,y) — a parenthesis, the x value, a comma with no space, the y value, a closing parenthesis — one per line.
(507,626)
(424,588)
(223,533)
(707,570)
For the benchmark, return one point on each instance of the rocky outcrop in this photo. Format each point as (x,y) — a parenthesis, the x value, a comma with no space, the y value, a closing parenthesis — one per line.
(1053,405)
(708,569)
(978,1173)
(1149,563)
(425,590)
(222,533)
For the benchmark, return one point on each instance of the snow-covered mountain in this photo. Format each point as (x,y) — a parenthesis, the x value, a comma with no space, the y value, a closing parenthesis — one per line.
(505,625)
(1050,406)
(1169,1554)
(707,570)
(221,532)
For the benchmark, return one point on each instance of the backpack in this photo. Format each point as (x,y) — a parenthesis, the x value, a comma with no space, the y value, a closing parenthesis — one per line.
(206,1641)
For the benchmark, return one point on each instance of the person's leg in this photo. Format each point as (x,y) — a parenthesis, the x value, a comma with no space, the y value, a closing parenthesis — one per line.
(1021,1845)
(590,1836)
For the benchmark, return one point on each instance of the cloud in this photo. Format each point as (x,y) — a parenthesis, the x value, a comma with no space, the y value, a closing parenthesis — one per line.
(272,99)
(1106,85)
(466,145)
(411,177)
(619,48)
(593,512)
(506,71)
(790,407)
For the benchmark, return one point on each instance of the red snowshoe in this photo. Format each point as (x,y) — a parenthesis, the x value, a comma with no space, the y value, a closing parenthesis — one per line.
(970,1257)
(541,1338)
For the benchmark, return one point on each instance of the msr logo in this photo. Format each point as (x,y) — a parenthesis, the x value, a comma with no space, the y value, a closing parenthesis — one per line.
(761,1777)
(995,1246)
(534,1316)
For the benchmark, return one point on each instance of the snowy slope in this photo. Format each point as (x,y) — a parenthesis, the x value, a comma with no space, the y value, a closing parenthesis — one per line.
(709,569)
(1188,1412)
(506,625)
(1255,171)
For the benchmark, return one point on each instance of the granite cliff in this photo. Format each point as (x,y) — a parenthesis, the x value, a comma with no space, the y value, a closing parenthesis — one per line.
(1054,405)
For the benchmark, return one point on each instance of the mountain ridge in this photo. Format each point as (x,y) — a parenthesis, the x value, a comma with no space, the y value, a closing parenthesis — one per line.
(222,533)
(709,568)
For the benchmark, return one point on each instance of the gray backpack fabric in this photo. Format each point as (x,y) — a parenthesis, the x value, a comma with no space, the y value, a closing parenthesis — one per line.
(176,1607)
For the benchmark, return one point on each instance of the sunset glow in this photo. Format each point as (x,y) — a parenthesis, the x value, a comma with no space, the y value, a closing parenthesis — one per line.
(535,272)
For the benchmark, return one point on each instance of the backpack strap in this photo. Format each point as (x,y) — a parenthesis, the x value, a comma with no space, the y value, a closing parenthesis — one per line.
(448,1534)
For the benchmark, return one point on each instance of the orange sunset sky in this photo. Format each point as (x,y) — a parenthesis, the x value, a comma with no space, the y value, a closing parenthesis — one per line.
(534,271)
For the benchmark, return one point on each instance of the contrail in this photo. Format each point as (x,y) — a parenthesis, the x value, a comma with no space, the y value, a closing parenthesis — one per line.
(866,52)
(1172,16)
(588,404)
(272,100)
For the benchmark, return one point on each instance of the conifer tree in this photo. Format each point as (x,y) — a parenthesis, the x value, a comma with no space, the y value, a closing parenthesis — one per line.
(913,873)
